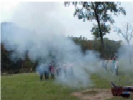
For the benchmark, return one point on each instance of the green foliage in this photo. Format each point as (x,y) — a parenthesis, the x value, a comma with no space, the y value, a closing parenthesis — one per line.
(99,11)
(8,65)
(82,42)
(104,28)
(4,58)
(111,46)
(6,62)
(28,63)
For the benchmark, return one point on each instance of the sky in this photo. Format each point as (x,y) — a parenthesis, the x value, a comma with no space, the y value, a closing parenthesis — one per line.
(38,15)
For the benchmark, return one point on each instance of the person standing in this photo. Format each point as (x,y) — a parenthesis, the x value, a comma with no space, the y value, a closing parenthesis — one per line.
(41,76)
(52,71)
(40,71)
(105,64)
(46,71)
(58,71)
(113,65)
(116,67)
(50,66)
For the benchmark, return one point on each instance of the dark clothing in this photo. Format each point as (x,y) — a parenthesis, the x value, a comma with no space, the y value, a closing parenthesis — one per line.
(41,77)
(46,75)
(51,70)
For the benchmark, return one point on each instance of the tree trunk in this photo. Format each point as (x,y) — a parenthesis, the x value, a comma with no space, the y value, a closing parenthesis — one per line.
(102,42)
(101,35)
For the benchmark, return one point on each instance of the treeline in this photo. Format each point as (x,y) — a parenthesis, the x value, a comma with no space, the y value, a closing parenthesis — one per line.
(111,46)
(9,66)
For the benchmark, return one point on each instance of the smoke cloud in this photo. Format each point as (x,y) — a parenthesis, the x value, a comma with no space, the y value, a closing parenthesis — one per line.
(125,56)
(42,37)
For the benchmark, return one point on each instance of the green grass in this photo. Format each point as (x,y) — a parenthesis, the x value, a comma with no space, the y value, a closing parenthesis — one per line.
(29,87)
(103,80)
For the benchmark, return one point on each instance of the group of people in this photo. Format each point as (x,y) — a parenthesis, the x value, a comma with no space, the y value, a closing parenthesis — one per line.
(111,64)
(65,70)
(47,72)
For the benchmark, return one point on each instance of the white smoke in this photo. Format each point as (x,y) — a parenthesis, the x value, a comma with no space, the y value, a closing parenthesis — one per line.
(46,41)
(125,57)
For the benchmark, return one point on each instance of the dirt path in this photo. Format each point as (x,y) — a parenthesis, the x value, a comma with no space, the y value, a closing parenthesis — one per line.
(94,94)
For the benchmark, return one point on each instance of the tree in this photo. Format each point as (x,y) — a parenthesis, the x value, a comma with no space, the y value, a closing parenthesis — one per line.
(6,63)
(104,28)
(83,42)
(99,11)
(126,31)
(111,46)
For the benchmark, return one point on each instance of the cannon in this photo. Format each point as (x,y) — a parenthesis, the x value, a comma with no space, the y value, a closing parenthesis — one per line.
(124,91)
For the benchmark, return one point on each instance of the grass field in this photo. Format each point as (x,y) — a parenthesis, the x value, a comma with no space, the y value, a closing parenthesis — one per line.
(29,87)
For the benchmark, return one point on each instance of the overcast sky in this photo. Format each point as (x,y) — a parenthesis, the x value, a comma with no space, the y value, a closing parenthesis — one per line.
(40,15)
